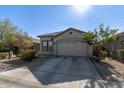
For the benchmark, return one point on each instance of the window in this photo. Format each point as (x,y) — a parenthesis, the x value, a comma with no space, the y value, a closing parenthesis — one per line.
(47,46)
(50,45)
(44,45)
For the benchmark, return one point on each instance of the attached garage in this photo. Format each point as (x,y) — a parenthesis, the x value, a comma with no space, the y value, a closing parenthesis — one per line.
(69,42)
(72,48)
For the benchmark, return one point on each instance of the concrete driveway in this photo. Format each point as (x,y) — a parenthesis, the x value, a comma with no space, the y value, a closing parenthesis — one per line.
(53,72)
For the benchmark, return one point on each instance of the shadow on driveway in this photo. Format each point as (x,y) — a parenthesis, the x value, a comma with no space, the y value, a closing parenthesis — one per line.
(65,71)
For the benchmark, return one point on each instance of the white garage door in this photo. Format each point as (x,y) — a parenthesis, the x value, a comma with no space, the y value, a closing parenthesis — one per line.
(71,48)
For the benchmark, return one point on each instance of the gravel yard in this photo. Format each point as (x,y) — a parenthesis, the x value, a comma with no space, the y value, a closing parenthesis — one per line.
(110,71)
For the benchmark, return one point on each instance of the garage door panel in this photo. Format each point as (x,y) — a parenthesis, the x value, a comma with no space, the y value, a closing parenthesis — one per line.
(72,49)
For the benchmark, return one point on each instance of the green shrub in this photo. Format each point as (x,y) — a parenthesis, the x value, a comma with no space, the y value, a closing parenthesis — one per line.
(95,53)
(3,50)
(102,54)
(3,55)
(27,55)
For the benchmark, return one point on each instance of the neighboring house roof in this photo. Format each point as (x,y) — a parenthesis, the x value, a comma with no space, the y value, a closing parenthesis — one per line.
(35,40)
(121,33)
(55,34)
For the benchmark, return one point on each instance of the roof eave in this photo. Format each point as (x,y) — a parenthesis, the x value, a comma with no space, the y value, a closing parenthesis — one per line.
(54,36)
(45,36)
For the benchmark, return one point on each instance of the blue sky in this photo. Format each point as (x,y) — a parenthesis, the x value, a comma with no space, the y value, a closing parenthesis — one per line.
(43,19)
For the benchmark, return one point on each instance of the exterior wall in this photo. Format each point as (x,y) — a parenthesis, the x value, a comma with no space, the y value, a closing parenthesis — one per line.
(74,37)
(90,50)
(67,34)
(67,37)
(118,43)
(45,38)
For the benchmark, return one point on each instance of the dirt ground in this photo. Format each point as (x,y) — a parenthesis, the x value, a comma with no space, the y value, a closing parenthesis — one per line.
(110,69)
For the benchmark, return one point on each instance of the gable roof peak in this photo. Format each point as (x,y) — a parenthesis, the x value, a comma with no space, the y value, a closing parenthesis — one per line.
(55,34)
(71,28)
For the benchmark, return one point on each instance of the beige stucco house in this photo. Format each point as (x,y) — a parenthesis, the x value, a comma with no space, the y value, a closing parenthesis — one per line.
(65,43)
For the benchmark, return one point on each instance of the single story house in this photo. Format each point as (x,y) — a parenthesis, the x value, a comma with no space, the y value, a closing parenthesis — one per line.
(65,43)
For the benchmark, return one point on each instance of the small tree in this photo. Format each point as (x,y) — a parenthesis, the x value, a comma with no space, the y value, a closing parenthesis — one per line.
(24,41)
(91,37)
(6,33)
(106,34)
(100,37)
(7,37)
(11,37)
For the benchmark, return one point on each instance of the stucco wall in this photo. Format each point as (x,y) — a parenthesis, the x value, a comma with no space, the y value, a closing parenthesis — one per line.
(90,50)
(69,36)
(83,49)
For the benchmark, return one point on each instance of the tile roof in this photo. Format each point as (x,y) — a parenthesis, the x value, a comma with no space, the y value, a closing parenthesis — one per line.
(121,33)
